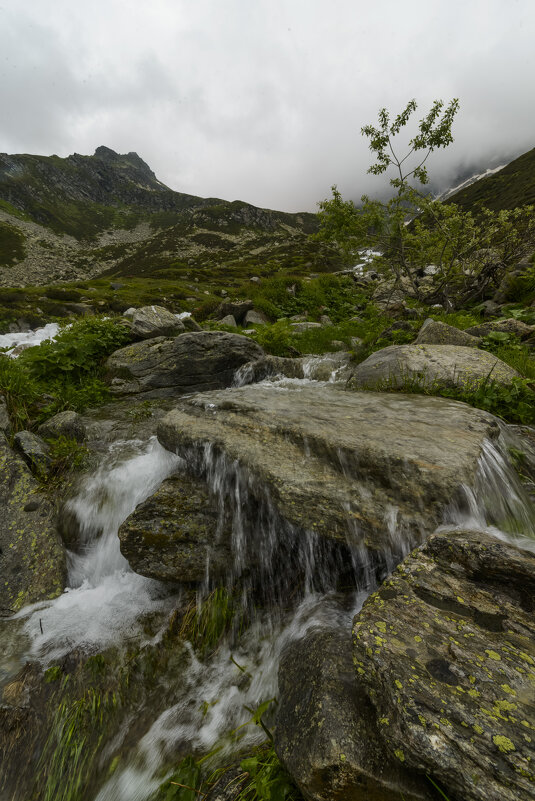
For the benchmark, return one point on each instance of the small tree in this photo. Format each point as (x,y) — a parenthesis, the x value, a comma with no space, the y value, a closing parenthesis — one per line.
(411,230)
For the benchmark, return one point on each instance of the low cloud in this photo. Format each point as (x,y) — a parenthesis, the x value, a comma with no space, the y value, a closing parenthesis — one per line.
(263,101)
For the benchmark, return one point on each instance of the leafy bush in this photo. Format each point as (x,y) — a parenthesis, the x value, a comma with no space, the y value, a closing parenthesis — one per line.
(61,374)
(77,350)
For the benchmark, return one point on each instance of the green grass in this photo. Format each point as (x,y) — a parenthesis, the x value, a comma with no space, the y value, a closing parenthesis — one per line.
(206,625)
(76,735)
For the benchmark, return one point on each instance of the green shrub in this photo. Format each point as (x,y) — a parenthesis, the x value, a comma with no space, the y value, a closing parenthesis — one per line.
(77,350)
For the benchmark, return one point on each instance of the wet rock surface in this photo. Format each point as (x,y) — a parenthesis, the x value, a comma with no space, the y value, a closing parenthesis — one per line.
(32,559)
(430,365)
(326,731)
(192,362)
(377,469)
(173,535)
(445,650)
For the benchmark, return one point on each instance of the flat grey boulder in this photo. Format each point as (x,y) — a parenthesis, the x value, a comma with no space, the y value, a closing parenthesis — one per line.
(153,321)
(508,326)
(433,332)
(351,467)
(32,558)
(173,535)
(445,651)
(254,317)
(430,366)
(326,733)
(191,362)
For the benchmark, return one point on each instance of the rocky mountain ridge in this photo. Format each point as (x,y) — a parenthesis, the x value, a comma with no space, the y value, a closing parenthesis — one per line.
(77,217)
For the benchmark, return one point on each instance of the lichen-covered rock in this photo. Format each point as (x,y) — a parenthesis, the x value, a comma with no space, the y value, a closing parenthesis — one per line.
(32,558)
(434,332)
(191,362)
(430,366)
(173,535)
(342,464)
(446,652)
(34,450)
(326,731)
(64,424)
(508,326)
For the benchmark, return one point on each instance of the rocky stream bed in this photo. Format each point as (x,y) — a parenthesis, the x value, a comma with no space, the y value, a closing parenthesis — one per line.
(377,558)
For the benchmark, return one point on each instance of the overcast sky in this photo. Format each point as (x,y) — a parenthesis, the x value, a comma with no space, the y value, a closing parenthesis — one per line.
(263,100)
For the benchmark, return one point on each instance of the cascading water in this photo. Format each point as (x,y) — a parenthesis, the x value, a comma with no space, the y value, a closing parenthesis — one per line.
(104,599)
(295,577)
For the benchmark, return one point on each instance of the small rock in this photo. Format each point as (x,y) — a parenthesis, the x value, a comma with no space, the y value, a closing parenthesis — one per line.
(255,279)
(65,424)
(228,320)
(238,309)
(325,320)
(434,332)
(254,317)
(300,327)
(155,321)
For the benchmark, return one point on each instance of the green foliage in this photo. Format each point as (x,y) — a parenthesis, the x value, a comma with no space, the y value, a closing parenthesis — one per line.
(61,374)
(510,350)
(67,456)
(514,403)
(266,779)
(184,783)
(20,391)
(77,350)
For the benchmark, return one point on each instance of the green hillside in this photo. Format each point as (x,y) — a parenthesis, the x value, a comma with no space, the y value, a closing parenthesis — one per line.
(512,186)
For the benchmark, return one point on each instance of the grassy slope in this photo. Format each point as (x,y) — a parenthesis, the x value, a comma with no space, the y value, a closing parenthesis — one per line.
(511,187)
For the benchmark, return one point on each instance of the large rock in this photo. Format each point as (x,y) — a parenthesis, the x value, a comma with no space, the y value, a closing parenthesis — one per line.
(446,652)
(326,733)
(373,469)
(173,535)
(153,321)
(191,362)
(430,366)
(32,559)
(434,332)
(508,326)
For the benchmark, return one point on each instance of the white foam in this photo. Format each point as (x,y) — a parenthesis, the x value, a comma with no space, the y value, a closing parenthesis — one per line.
(23,339)
(105,600)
